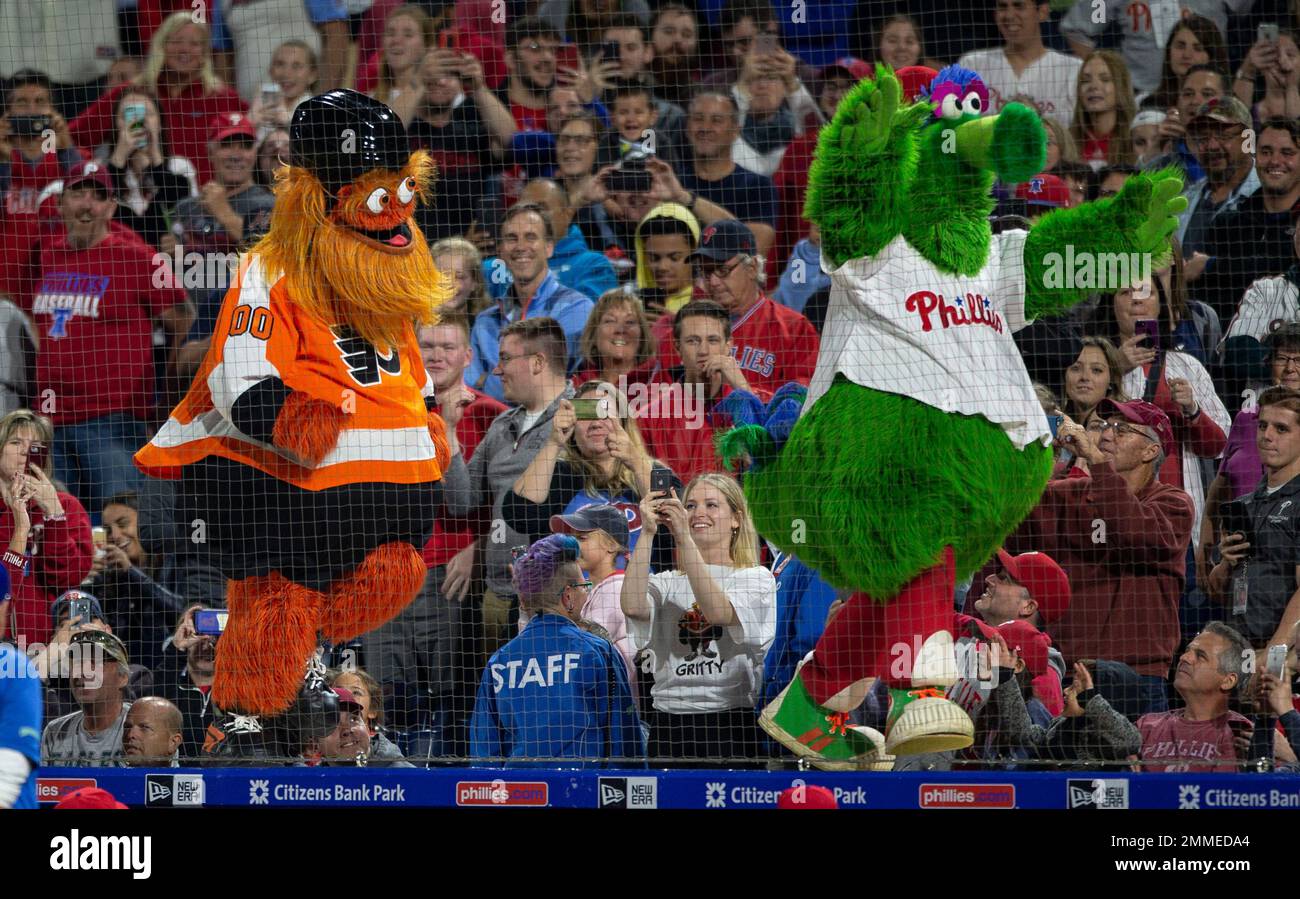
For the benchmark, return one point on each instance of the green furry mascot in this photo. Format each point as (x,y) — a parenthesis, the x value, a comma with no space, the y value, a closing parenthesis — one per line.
(920,444)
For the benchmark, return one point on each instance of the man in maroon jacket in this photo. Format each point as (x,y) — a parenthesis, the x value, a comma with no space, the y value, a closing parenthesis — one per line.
(1122,538)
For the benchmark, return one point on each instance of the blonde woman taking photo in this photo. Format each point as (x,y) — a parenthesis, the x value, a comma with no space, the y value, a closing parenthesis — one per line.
(705,625)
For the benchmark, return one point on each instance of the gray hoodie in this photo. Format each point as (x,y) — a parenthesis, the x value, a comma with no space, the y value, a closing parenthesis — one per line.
(500,458)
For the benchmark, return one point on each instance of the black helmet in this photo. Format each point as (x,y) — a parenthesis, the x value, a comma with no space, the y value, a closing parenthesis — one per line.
(342,134)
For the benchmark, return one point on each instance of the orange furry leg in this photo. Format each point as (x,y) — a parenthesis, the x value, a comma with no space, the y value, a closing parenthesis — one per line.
(380,587)
(307,427)
(262,655)
(438,431)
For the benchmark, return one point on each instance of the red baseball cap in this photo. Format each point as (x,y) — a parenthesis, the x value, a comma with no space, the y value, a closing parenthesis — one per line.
(1043,578)
(1044,190)
(810,796)
(915,79)
(1030,642)
(1142,413)
(233,124)
(90,170)
(850,65)
(89,797)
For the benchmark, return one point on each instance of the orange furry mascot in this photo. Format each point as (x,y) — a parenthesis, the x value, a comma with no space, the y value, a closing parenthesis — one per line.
(307,449)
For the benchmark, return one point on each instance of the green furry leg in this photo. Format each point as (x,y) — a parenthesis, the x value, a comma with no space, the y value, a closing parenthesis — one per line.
(877,484)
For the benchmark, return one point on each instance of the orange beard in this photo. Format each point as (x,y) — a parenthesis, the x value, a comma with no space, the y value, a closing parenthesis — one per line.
(337,274)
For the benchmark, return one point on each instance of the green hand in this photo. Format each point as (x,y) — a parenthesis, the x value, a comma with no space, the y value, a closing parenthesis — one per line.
(868,122)
(1162,208)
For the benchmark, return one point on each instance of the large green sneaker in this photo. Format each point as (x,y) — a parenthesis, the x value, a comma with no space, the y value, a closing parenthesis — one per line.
(819,734)
(922,720)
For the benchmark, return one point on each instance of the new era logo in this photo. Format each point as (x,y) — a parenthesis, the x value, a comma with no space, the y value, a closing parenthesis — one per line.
(173,790)
(1099,793)
(629,792)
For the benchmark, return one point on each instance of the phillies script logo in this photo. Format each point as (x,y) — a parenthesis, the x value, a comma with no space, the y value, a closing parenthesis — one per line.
(971,310)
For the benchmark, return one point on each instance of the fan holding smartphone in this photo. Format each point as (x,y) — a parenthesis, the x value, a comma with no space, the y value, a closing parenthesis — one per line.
(595,454)
(44,533)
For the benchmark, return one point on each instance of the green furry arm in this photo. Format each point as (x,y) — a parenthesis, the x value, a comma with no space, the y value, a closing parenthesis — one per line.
(1071,253)
(857,185)
(748,445)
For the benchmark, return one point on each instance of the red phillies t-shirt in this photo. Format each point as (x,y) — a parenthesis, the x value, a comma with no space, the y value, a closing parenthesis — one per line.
(1176,744)
(451,535)
(678,424)
(94,312)
(19,220)
(772,343)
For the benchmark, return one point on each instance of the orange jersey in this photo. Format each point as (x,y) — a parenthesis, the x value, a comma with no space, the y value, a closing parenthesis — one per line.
(261,333)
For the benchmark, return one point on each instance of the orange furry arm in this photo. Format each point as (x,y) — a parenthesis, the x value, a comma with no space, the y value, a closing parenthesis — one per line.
(307,427)
(438,431)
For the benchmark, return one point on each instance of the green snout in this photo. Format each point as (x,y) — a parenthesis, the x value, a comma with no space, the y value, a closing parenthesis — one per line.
(1011,144)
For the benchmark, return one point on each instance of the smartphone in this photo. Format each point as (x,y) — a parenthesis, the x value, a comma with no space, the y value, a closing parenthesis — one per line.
(1276,663)
(566,57)
(79,609)
(38,456)
(448,39)
(1054,422)
(611,51)
(661,480)
(1268,31)
(591,408)
(28,125)
(621,181)
(99,537)
(766,43)
(211,622)
(133,114)
(1151,328)
(1235,519)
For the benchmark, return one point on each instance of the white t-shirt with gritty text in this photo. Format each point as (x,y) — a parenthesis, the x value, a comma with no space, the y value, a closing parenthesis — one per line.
(701,667)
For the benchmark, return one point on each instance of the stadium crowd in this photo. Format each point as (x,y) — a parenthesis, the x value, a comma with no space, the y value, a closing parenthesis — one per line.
(620,204)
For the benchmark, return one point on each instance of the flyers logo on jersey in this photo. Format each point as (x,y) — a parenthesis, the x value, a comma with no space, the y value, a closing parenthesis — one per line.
(366,365)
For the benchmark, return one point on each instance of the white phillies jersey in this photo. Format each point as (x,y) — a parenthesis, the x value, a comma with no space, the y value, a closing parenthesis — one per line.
(899,325)
(1266,305)
(1050,81)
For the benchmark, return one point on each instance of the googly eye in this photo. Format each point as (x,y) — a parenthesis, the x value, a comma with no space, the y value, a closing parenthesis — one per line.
(406,191)
(378,200)
(950,109)
(972,105)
